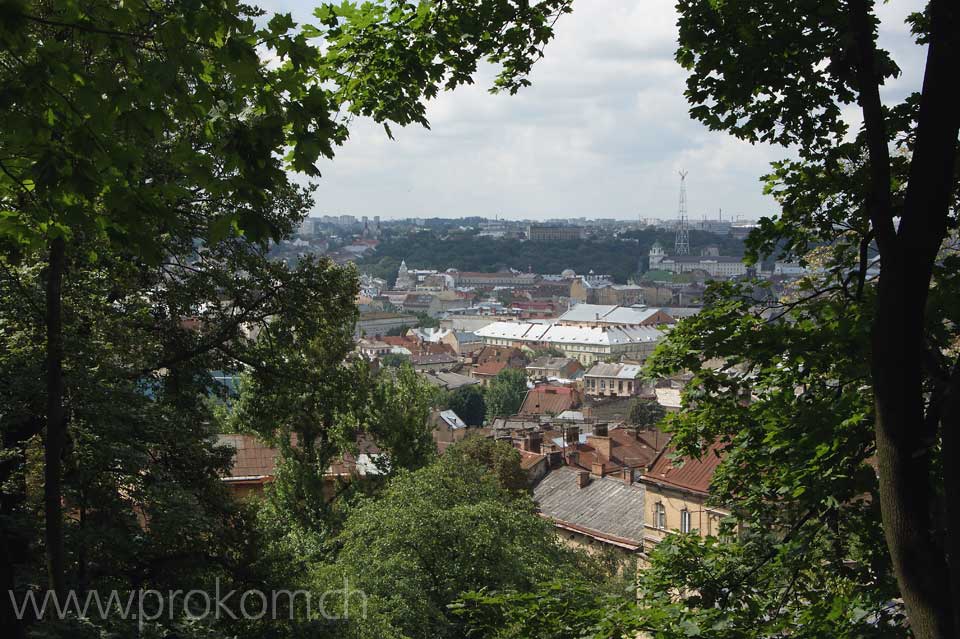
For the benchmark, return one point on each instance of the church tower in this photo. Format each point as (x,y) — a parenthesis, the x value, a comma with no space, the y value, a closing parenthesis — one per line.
(404,281)
(656,255)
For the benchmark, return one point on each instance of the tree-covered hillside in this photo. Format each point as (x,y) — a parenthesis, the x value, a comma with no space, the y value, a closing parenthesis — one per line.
(620,257)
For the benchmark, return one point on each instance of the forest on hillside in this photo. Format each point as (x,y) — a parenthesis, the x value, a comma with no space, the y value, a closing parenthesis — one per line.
(621,258)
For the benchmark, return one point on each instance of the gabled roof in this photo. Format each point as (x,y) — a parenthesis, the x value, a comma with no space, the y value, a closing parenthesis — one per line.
(606,509)
(549,399)
(490,368)
(692,474)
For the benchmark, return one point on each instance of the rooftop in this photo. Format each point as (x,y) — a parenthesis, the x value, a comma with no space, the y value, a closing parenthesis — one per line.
(689,474)
(606,509)
(618,371)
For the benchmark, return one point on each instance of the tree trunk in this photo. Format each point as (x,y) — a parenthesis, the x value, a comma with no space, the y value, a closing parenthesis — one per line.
(905,439)
(56,434)
(904,465)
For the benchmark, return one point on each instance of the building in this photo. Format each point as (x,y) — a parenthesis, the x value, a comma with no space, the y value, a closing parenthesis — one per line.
(427,361)
(405,281)
(490,360)
(546,399)
(553,232)
(373,349)
(720,266)
(378,324)
(491,280)
(677,491)
(462,342)
(605,315)
(583,343)
(593,512)
(449,381)
(612,380)
(554,367)
(254,465)
(447,428)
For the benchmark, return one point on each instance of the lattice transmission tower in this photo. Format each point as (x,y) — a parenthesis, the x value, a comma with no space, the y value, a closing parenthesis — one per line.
(682,244)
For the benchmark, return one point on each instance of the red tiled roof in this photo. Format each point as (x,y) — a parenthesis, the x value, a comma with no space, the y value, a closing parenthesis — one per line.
(528,459)
(489,368)
(549,399)
(254,460)
(627,450)
(693,474)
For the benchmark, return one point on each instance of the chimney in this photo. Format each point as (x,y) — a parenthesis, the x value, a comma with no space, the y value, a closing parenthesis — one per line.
(554,459)
(602,445)
(533,441)
(628,476)
(596,468)
(583,478)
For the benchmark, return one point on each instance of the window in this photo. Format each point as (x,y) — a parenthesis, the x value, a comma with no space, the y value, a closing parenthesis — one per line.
(685,521)
(660,516)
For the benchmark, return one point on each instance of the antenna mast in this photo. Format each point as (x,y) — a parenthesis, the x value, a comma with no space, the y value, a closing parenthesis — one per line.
(682,244)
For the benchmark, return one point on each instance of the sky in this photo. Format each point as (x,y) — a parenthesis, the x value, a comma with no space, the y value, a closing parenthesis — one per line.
(602,133)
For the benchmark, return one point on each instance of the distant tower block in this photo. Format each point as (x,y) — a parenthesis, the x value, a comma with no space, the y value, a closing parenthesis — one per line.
(682,244)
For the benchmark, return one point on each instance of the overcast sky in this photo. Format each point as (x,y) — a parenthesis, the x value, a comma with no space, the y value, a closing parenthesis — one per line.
(602,132)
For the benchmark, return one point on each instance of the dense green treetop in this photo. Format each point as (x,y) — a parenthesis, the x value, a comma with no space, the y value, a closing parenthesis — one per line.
(505,393)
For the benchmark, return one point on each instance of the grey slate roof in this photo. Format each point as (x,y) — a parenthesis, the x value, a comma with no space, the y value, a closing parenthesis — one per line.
(606,508)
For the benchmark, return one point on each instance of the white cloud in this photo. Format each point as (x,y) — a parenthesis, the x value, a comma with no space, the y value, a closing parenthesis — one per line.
(601,133)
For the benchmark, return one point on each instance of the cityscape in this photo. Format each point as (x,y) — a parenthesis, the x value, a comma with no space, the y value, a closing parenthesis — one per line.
(479,319)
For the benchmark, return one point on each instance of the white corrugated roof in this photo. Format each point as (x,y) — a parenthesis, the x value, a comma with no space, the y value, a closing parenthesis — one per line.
(608,314)
(528,332)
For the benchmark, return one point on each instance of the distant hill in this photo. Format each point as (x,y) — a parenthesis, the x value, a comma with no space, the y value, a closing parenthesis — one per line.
(620,258)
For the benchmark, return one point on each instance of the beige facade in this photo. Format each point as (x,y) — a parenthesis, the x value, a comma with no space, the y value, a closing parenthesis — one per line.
(670,511)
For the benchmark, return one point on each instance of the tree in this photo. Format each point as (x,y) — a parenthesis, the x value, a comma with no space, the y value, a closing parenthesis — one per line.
(500,458)
(469,405)
(395,360)
(137,129)
(425,321)
(505,393)
(781,73)
(549,351)
(645,413)
(433,534)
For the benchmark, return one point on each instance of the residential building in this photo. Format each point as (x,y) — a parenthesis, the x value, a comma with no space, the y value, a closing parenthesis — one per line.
(373,349)
(254,465)
(447,428)
(593,512)
(427,361)
(448,380)
(612,380)
(677,492)
(490,360)
(462,342)
(547,399)
(554,367)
